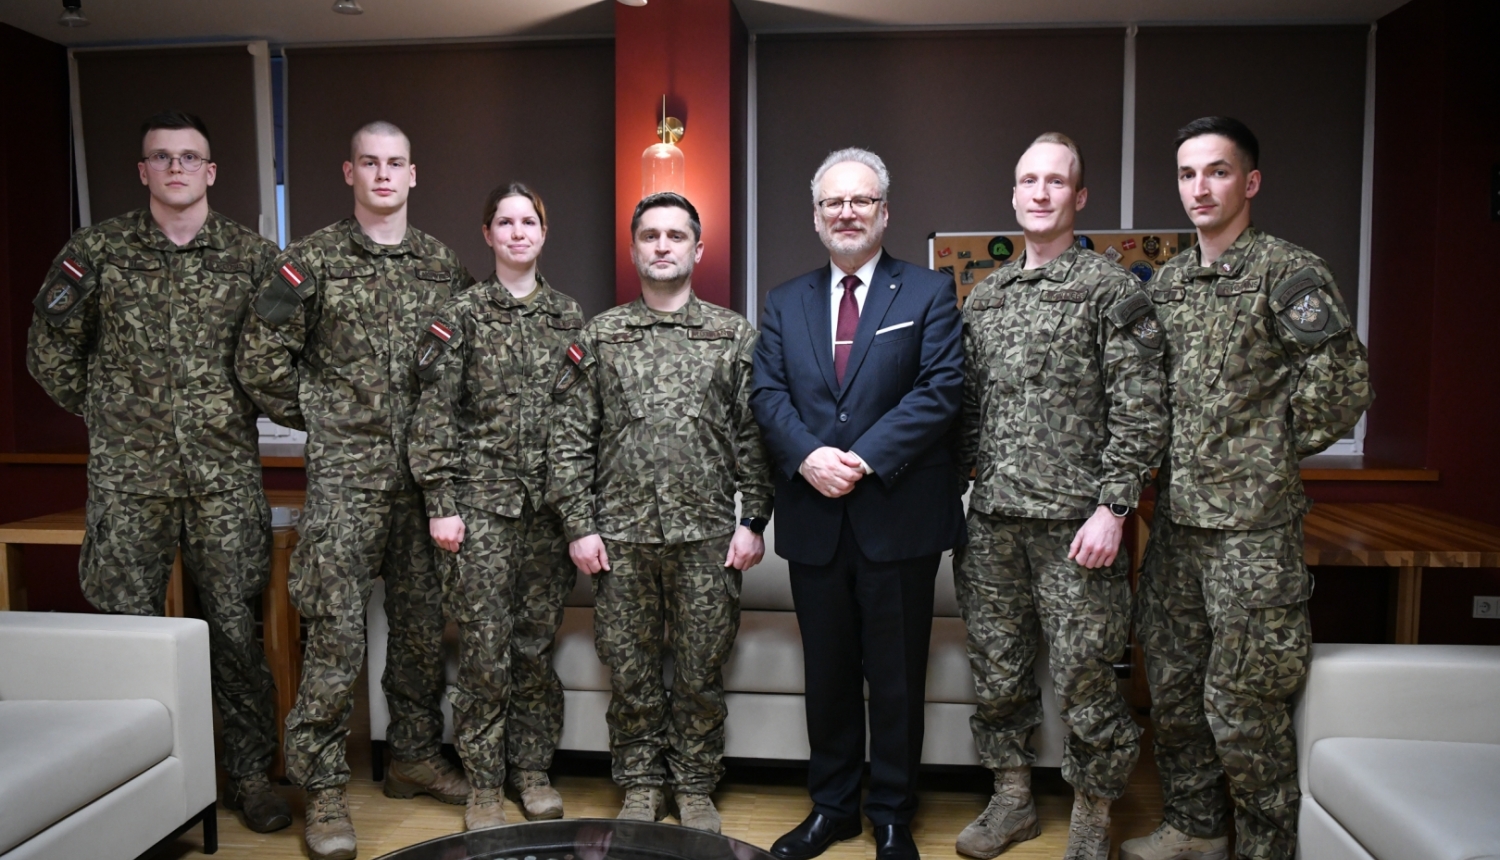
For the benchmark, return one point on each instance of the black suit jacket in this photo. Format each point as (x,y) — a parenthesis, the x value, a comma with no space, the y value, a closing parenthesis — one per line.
(901,395)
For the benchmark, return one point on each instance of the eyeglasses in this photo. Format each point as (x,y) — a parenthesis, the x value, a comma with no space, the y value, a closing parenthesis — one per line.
(190,162)
(860,205)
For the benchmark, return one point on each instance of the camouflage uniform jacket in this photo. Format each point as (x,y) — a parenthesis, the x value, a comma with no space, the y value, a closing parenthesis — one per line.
(331,347)
(1263,368)
(138,335)
(1063,388)
(487,362)
(654,434)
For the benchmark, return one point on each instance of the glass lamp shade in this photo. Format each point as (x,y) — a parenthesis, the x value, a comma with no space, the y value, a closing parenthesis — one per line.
(663,169)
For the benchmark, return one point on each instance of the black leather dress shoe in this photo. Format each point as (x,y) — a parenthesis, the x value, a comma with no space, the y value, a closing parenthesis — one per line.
(894,842)
(813,836)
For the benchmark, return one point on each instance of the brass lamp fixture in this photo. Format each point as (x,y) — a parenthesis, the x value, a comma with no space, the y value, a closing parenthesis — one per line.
(662,166)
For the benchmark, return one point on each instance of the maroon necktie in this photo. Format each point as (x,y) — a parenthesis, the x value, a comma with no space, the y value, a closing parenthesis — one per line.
(843,340)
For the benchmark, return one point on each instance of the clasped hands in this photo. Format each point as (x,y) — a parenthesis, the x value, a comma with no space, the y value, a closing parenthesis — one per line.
(832,472)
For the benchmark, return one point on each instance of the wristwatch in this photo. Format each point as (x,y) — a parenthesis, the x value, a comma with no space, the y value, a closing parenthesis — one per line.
(1120,510)
(755,524)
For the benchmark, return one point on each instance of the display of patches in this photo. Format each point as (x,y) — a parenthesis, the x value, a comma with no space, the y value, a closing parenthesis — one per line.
(1143,270)
(980,250)
(945,252)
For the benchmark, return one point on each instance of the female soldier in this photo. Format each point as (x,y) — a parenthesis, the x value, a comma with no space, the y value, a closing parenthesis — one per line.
(479,450)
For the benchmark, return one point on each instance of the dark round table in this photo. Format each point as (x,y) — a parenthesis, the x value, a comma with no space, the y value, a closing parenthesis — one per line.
(582,839)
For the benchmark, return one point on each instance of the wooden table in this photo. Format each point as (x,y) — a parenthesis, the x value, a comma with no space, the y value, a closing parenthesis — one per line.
(1407,539)
(281,630)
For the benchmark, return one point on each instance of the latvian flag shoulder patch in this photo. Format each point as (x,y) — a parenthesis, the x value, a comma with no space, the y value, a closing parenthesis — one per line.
(441,330)
(575,353)
(293,277)
(73,269)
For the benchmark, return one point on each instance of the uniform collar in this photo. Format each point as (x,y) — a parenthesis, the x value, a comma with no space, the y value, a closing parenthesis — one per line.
(411,243)
(689,315)
(1231,261)
(148,234)
(1057,270)
(546,300)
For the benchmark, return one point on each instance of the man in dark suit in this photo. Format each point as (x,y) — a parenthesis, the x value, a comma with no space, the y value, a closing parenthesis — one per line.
(858,379)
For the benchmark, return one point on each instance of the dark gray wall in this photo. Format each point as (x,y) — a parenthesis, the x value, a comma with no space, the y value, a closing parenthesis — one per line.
(478,116)
(119,89)
(1301,90)
(949,114)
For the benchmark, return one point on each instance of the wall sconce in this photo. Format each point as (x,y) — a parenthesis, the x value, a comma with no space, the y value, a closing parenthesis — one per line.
(662,166)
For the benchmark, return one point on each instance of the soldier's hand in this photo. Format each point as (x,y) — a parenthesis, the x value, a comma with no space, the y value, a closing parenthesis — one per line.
(588,554)
(830,471)
(1097,543)
(746,549)
(447,532)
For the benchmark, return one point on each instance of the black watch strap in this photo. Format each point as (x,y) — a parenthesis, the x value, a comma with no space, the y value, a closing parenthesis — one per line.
(755,524)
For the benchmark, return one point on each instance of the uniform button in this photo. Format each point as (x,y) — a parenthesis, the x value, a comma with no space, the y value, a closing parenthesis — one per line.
(843,416)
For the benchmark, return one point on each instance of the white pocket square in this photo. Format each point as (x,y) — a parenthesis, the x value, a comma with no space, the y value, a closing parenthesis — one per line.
(894,327)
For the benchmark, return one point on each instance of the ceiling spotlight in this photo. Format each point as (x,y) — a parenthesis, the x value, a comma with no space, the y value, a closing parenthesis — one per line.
(348,7)
(632,2)
(72,15)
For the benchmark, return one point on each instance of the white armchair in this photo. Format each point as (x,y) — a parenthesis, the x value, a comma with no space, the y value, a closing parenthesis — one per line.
(106,735)
(1398,748)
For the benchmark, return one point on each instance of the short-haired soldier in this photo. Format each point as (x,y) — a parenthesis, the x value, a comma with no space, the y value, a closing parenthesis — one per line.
(651,439)
(331,348)
(135,330)
(1263,368)
(1063,418)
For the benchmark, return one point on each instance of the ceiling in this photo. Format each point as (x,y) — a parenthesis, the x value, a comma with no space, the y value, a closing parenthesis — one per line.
(116,22)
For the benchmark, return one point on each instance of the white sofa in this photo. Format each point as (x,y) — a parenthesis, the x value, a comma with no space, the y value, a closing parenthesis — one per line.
(106,735)
(1398,748)
(763,680)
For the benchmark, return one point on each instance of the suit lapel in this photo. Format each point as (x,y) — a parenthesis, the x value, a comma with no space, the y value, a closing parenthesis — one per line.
(884,284)
(820,325)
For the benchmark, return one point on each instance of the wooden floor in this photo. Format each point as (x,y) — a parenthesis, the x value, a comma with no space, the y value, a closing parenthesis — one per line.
(758,804)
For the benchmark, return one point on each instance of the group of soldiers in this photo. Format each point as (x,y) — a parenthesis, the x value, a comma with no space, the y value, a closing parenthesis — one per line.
(476,443)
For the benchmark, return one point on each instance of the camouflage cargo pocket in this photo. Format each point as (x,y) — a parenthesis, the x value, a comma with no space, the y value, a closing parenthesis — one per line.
(1264,635)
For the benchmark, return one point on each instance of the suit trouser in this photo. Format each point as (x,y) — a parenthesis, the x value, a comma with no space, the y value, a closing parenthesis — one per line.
(128,545)
(349,536)
(1222,616)
(864,621)
(1015,583)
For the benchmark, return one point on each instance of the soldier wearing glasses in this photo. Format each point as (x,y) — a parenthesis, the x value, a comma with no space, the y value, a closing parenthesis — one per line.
(135,329)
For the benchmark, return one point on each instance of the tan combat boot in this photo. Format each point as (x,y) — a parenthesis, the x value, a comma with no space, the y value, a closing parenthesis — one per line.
(486,809)
(697,811)
(1088,832)
(1168,843)
(435,776)
(539,801)
(263,810)
(642,803)
(1010,817)
(329,833)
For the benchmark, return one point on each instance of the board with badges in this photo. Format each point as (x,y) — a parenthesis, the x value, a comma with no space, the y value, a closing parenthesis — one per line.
(971,257)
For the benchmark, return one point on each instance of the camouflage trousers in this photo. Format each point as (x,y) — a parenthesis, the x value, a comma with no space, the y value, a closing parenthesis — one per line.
(129,543)
(654,599)
(1222,616)
(1015,585)
(349,536)
(505,588)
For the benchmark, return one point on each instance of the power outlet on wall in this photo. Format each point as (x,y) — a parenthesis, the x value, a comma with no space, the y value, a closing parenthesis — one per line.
(1487,607)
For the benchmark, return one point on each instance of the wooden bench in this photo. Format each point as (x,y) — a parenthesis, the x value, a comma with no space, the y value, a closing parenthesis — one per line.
(1407,539)
(281,630)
